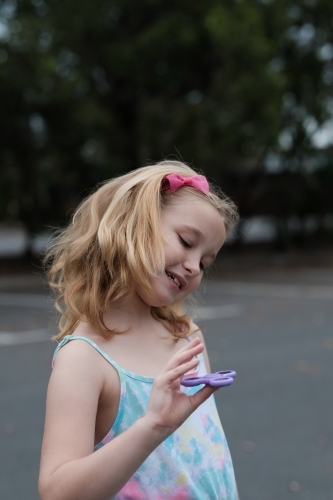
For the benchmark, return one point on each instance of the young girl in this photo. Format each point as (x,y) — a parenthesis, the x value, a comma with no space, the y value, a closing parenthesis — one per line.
(118,423)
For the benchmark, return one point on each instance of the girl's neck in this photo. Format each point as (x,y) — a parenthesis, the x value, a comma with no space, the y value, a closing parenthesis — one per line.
(128,312)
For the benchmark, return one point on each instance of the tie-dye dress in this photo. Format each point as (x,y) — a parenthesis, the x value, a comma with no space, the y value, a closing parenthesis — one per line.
(194,463)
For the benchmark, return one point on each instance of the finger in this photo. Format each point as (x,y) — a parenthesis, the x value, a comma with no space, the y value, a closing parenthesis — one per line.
(184,355)
(179,371)
(200,397)
(190,344)
(188,349)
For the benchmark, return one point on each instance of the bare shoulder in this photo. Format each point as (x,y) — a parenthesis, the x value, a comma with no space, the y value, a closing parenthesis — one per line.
(195,332)
(74,364)
(80,374)
(76,384)
(76,355)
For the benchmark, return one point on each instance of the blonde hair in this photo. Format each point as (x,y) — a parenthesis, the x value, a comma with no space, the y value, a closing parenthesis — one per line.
(115,239)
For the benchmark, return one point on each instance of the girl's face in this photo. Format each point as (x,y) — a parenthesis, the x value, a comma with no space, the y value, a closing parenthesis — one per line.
(194,233)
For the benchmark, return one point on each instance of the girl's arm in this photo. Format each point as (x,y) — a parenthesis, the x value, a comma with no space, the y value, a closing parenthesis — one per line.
(69,468)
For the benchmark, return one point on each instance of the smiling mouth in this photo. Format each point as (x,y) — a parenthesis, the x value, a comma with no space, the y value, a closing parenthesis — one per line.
(174,279)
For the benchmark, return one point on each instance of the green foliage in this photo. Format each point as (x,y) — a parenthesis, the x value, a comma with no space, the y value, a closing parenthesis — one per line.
(93,89)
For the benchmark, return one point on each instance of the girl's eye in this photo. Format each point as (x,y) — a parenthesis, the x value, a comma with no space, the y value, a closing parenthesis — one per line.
(187,245)
(184,243)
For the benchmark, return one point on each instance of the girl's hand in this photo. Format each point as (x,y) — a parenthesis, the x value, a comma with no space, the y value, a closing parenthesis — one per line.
(168,406)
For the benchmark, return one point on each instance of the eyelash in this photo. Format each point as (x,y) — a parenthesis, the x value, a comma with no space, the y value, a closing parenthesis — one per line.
(184,243)
(187,245)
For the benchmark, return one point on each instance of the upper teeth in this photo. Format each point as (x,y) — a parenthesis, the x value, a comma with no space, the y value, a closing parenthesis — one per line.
(178,283)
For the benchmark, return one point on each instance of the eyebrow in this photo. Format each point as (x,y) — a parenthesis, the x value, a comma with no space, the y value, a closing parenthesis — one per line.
(193,229)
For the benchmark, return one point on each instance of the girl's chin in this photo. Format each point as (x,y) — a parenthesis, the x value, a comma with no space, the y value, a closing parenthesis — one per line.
(166,293)
(164,301)
(159,300)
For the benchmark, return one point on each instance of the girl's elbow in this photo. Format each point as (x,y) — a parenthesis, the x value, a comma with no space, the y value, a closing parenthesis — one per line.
(43,491)
(46,490)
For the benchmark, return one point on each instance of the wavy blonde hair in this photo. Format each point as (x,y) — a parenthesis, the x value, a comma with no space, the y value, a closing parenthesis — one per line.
(115,239)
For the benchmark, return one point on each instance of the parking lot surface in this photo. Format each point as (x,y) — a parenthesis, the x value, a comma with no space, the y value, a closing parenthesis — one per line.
(275,328)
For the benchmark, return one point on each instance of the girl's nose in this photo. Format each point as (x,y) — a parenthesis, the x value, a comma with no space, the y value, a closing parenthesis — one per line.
(192,267)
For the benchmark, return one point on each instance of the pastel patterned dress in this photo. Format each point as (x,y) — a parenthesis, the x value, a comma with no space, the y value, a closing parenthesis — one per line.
(194,463)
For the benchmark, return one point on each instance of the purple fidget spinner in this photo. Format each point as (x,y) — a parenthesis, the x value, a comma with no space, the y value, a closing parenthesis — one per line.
(218,379)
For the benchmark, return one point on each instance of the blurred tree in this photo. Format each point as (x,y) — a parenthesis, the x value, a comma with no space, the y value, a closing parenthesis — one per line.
(93,89)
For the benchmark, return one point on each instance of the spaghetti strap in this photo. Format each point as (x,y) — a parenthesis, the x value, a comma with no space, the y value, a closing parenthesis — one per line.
(68,338)
(122,379)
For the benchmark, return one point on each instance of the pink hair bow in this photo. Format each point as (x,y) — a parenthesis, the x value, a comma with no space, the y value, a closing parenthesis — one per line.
(175,181)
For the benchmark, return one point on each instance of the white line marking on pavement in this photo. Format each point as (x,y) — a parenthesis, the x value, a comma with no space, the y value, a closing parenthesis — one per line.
(16,338)
(220,312)
(270,290)
(25,300)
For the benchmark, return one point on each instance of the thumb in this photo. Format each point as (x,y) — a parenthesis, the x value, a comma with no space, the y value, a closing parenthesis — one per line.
(200,397)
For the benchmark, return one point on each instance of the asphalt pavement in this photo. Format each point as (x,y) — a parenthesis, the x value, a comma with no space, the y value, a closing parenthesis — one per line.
(273,326)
